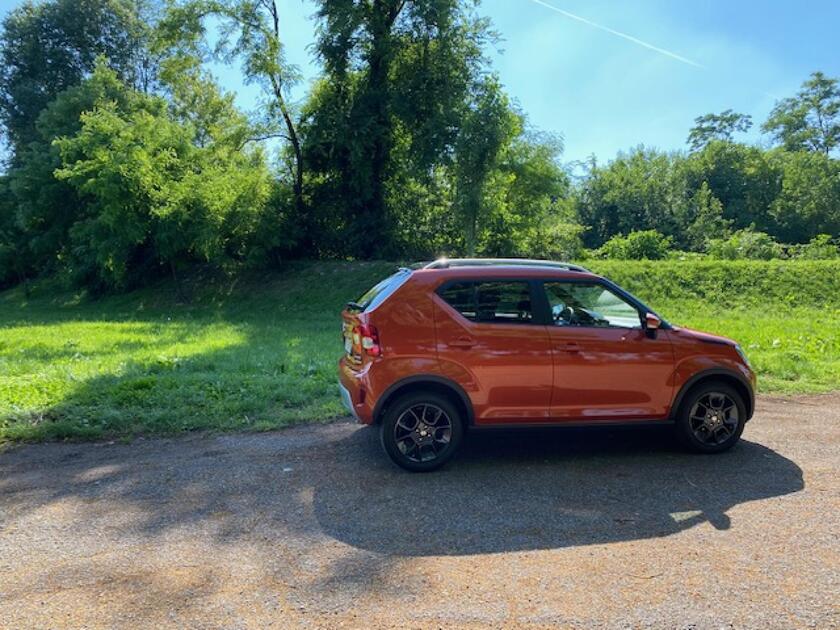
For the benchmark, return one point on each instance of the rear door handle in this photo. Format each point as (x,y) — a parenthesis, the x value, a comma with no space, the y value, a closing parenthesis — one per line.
(569,347)
(462,342)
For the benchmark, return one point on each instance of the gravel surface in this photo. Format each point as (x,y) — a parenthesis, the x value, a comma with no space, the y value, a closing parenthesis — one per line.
(313,527)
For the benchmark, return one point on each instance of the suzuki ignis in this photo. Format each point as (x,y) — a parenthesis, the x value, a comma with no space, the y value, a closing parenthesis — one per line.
(432,351)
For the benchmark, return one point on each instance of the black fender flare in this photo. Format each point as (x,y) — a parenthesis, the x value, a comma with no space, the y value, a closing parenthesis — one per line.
(419,379)
(711,374)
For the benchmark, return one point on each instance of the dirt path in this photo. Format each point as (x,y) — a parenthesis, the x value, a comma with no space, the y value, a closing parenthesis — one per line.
(313,527)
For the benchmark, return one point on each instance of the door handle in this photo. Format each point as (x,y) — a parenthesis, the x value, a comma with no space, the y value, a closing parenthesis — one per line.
(462,342)
(570,347)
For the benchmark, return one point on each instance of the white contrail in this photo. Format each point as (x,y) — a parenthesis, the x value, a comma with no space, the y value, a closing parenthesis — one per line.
(629,38)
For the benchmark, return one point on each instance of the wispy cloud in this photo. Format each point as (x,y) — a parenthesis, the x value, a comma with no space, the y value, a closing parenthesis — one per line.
(629,38)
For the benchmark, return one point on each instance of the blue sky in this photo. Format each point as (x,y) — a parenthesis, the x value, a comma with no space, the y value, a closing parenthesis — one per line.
(604,93)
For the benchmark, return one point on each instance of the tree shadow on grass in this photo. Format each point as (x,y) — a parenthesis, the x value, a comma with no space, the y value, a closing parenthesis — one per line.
(152,377)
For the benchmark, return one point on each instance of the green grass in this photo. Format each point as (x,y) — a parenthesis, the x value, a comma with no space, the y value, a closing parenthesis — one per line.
(259,351)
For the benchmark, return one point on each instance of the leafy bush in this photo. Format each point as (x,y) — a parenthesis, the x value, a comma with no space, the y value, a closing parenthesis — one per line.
(155,193)
(747,244)
(558,240)
(640,245)
(820,247)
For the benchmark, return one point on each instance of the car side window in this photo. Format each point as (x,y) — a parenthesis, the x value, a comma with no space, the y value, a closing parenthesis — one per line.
(591,305)
(496,302)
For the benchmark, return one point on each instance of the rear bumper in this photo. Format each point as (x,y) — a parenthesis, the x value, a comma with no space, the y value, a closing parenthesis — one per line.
(346,400)
(355,392)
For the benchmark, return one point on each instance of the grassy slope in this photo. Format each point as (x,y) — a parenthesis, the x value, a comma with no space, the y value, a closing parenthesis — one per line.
(260,352)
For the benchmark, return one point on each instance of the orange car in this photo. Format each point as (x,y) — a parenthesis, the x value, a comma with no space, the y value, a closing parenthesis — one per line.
(476,343)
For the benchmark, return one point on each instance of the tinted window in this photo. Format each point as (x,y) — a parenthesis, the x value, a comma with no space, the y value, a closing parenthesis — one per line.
(461,297)
(375,296)
(491,302)
(589,304)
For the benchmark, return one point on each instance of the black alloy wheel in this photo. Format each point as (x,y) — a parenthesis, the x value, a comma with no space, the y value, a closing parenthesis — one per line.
(711,418)
(421,432)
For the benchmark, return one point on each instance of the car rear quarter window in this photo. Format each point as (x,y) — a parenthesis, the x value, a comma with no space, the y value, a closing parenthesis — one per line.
(381,291)
(499,302)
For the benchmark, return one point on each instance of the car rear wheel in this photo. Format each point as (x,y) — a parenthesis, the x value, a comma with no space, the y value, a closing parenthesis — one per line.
(421,432)
(711,418)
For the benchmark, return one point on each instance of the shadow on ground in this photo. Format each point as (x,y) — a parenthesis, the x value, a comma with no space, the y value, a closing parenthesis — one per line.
(519,491)
(507,491)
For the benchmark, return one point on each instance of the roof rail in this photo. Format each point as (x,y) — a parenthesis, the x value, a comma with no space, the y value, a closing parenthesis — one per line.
(446,263)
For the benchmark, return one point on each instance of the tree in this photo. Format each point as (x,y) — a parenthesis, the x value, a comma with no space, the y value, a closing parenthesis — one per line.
(808,202)
(721,126)
(46,208)
(705,221)
(809,121)
(527,200)
(488,125)
(642,190)
(248,30)
(48,47)
(397,76)
(13,257)
(742,178)
(154,195)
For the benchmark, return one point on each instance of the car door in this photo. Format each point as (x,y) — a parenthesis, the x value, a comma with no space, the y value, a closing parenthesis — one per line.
(490,343)
(606,366)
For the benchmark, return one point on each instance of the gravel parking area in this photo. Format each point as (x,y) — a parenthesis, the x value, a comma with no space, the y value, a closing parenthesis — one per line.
(314,527)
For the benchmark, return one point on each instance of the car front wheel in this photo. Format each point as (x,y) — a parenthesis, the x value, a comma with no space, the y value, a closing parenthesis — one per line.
(421,432)
(711,418)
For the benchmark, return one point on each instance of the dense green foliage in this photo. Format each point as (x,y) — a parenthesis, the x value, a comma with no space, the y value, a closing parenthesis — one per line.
(153,193)
(48,47)
(128,162)
(809,121)
(258,351)
(721,126)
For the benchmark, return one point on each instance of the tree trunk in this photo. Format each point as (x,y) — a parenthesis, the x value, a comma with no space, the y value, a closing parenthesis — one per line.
(297,174)
(471,221)
(179,290)
(383,15)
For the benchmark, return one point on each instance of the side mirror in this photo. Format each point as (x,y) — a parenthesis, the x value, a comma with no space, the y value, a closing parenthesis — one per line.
(652,324)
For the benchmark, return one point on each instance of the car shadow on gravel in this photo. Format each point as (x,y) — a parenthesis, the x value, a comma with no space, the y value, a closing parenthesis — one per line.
(506,491)
(544,489)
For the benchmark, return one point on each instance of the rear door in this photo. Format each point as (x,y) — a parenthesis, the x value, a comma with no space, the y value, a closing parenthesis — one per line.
(606,367)
(491,343)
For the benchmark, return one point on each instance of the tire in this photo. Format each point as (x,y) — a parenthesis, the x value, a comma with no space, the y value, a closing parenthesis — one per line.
(711,418)
(421,431)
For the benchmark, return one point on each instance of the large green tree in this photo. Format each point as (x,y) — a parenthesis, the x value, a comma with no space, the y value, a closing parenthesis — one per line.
(397,77)
(640,190)
(808,203)
(810,120)
(13,241)
(156,190)
(48,47)
(740,177)
(722,126)
(45,207)
(248,31)
(488,126)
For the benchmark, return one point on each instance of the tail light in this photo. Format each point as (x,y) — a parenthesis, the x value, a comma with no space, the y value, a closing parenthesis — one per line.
(369,339)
